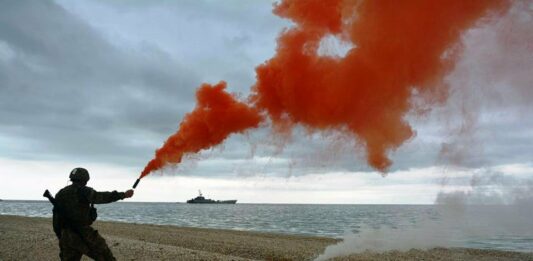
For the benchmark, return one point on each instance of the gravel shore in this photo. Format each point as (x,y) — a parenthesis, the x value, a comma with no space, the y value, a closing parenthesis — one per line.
(28,238)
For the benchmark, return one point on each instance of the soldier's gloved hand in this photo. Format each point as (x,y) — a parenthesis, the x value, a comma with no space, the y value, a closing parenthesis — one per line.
(128,194)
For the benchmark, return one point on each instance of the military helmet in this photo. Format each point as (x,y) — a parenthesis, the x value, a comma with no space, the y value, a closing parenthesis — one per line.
(79,174)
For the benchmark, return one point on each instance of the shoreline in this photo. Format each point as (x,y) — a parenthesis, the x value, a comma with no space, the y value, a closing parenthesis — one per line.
(32,238)
(250,203)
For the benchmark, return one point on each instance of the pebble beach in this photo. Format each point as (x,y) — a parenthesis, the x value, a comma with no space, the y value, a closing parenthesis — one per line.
(32,238)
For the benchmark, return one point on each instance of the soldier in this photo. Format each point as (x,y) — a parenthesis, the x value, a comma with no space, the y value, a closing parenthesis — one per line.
(75,214)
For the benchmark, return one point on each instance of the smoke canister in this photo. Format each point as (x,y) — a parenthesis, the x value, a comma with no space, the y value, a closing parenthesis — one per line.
(136,183)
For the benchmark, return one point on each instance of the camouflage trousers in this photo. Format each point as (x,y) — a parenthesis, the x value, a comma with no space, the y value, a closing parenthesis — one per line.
(86,241)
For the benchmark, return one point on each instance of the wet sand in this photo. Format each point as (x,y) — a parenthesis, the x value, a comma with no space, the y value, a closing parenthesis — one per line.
(25,238)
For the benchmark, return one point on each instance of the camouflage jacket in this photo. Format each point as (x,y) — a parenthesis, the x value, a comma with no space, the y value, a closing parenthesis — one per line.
(75,202)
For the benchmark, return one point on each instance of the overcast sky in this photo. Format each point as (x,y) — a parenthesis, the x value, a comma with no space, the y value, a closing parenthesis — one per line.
(101,84)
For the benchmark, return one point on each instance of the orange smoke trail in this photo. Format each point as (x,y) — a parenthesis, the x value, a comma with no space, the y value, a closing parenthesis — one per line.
(216,116)
(400,47)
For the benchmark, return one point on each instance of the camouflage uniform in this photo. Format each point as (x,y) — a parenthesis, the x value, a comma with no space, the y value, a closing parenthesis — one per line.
(77,237)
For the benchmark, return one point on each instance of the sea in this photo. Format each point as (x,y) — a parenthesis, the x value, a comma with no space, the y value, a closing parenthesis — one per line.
(337,221)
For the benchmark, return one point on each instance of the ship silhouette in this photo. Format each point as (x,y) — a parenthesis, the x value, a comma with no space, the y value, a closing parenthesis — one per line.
(202,200)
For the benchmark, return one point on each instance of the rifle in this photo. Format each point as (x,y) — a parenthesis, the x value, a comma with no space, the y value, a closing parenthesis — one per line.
(49,197)
(60,220)
(57,222)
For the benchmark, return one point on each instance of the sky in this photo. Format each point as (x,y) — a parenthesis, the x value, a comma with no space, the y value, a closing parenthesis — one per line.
(102,84)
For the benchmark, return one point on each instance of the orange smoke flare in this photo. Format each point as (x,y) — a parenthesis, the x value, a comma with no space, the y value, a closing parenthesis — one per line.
(399,48)
(217,115)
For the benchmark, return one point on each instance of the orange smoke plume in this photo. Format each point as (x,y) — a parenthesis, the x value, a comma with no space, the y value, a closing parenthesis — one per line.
(217,115)
(399,48)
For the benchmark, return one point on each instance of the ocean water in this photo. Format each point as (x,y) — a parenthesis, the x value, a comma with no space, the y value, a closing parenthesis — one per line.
(319,220)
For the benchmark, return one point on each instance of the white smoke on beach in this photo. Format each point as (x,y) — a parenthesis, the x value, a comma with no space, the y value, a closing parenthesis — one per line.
(495,206)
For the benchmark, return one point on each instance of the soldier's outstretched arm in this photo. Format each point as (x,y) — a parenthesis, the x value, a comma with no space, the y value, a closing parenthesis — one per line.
(96,197)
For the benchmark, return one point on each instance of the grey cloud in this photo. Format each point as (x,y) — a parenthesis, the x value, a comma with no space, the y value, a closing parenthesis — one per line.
(69,91)
(109,81)
(222,40)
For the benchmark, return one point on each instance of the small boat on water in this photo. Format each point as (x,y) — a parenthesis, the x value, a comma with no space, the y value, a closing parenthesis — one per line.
(202,200)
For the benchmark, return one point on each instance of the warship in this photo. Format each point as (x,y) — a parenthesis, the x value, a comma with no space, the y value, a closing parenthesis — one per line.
(202,200)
